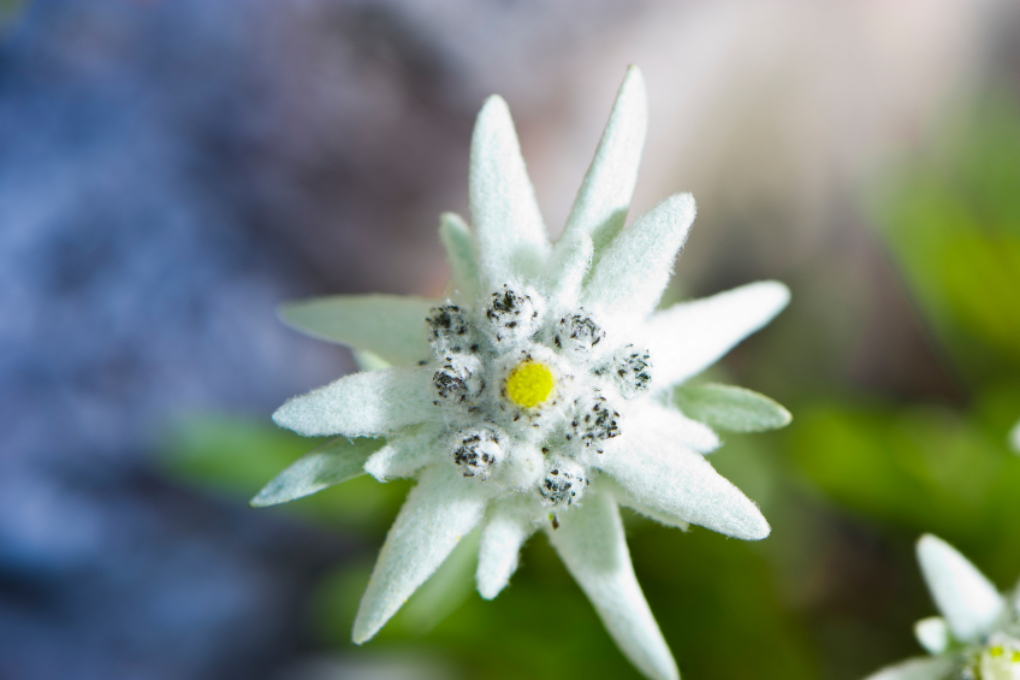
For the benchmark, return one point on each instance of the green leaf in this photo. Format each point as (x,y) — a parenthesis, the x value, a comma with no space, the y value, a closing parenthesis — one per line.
(390,326)
(334,462)
(924,468)
(731,408)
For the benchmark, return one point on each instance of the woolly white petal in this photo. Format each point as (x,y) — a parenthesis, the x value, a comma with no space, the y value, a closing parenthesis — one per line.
(523,469)
(1014,438)
(591,543)
(659,473)
(668,423)
(332,463)
(936,668)
(601,205)
(361,405)
(406,454)
(933,634)
(968,600)
(510,524)
(629,278)
(505,216)
(628,501)
(441,594)
(567,268)
(689,337)
(438,512)
(391,326)
(460,253)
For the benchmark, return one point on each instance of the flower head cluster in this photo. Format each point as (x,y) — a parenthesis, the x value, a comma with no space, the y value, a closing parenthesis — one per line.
(539,393)
(978,635)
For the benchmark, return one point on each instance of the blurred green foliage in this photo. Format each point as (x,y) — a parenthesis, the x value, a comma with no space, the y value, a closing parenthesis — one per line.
(923,468)
(951,221)
(848,487)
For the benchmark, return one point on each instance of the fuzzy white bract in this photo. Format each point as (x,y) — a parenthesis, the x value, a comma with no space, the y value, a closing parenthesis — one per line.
(541,393)
(978,635)
(1014,438)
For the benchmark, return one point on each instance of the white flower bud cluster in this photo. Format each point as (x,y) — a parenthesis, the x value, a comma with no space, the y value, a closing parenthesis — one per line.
(508,371)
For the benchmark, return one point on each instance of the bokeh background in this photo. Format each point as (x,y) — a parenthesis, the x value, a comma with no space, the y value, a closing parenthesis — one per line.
(170,171)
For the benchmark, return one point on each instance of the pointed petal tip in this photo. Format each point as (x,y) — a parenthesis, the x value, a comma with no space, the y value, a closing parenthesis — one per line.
(494,100)
(494,105)
(361,634)
(264,500)
(933,634)
(1014,438)
(491,579)
(258,502)
(452,219)
(970,603)
(284,311)
(779,292)
(292,417)
(488,591)
(743,520)
(634,85)
(493,122)
(929,542)
(284,416)
(685,209)
(758,528)
(368,622)
(933,552)
(684,204)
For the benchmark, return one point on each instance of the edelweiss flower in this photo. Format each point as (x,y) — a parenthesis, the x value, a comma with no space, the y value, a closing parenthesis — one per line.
(538,395)
(978,635)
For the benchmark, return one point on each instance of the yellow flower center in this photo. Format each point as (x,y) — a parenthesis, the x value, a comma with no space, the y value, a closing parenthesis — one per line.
(529,384)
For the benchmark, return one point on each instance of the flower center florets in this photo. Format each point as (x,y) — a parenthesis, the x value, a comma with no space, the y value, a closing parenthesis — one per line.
(512,375)
(999,659)
(530,384)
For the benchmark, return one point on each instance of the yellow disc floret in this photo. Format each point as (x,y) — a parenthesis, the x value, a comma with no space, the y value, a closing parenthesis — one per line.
(529,384)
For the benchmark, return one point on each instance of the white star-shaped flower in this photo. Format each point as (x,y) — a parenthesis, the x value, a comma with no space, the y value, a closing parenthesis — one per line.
(978,635)
(541,393)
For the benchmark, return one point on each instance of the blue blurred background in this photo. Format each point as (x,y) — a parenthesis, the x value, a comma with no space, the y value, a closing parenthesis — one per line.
(170,171)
